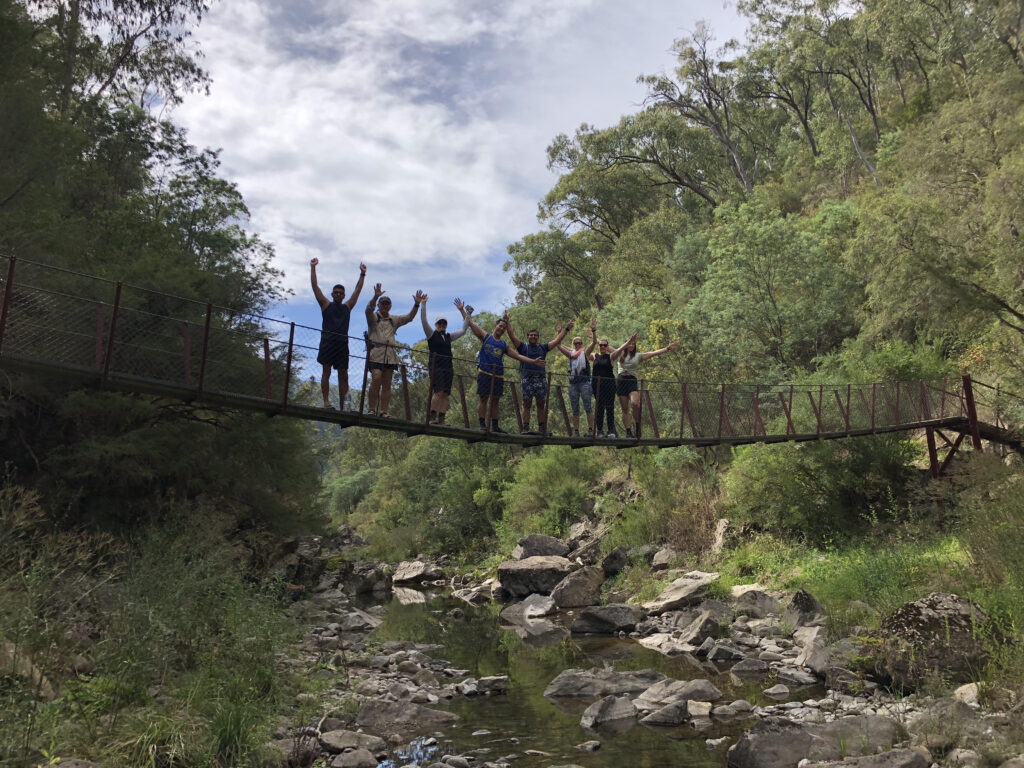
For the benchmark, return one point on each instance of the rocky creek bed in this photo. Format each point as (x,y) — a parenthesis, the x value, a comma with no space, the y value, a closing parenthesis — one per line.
(499,673)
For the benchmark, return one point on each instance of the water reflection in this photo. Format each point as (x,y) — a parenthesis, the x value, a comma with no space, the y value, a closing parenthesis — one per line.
(532,654)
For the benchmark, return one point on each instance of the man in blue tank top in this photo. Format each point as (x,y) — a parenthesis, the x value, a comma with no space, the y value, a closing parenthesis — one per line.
(333,352)
(490,376)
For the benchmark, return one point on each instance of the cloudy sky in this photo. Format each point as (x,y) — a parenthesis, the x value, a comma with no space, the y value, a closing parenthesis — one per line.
(411,134)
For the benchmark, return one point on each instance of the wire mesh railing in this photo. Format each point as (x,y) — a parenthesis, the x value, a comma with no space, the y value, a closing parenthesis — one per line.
(125,334)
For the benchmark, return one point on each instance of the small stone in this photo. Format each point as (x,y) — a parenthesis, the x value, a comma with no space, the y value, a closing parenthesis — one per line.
(589,746)
(777,691)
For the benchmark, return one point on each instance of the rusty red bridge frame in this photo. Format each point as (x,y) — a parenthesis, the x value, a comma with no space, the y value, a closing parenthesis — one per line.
(62,324)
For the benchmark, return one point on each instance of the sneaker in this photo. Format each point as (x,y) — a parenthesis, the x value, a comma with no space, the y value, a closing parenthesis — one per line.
(612,435)
(629,431)
(498,430)
(440,417)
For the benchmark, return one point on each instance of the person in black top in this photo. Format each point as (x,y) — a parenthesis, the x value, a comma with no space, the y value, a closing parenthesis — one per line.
(603,382)
(439,342)
(333,352)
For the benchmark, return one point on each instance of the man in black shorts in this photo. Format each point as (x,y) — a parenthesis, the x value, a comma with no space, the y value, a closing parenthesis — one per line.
(333,352)
(442,370)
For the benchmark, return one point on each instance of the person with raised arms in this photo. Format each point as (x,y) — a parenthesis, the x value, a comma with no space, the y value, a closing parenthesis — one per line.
(490,377)
(603,381)
(531,376)
(580,387)
(333,351)
(439,342)
(382,356)
(628,385)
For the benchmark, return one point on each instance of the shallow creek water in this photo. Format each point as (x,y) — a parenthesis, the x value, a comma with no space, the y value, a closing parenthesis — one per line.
(479,643)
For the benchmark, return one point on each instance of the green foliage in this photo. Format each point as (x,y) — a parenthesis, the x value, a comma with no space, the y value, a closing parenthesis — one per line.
(546,492)
(821,491)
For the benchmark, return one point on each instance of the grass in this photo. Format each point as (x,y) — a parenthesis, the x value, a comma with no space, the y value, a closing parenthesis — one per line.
(182,639)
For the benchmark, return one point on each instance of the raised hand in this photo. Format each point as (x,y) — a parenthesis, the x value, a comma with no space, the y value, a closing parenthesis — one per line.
(362,268)
(569,325)
(314,262)
(558,327)
(593,324)
(419,296)
(673,345)
(378,291)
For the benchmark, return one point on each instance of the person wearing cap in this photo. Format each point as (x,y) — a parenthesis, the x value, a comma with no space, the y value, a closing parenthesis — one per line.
(439,342)
(531,376)
(382,356)
(580,387)
(490,377)
(333,351)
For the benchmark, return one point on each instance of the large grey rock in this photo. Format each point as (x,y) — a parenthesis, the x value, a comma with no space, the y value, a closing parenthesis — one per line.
(940,635)
(757,604)
(663,558)
(707,624)
(607,710)
(340,740)
(897,758)
(359,621)
(533,574)
(615,561)
(795,677)
(607,619)
(688,589)
(540,633)
(355,758)
(580,588)
(365,577)
(670,691)
(748,670)
(668,716)
(665,643)
(804,611)
(533,607)
(781,743)
(404,718)
(416,571)
(601,682)
(538,545)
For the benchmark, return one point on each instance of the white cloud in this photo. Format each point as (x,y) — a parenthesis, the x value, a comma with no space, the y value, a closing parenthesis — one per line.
(412,132)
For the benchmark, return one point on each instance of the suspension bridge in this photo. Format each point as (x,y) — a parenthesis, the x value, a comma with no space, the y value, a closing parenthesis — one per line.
(99,333)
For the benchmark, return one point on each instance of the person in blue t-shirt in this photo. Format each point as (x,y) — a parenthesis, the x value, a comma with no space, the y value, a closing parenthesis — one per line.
(532,378)
(333,351)
(490,376)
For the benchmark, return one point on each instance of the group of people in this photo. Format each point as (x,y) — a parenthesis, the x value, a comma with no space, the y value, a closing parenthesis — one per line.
(592,377)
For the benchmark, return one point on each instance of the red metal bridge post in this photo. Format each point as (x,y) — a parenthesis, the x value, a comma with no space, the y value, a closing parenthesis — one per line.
(113,329)
(972,413)
(7,298)
(933,453)
(462,399)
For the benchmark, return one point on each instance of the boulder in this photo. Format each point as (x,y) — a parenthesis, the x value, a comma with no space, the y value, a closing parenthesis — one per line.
(404,717)
(706,625)
(668,716)
(663,558)
(340,740)
(359,621)
(804,611)
(748,670)
(664,643)
(688,589)
(355,758)
(601,682)
(533,607)
(538,545)
(782,743)
(615,561)
(757,604)
(579,589)
(936,636)
(416,571)
(291,753)
(533,574)
(579,533)
(492,684)
(607,619)
(795,677)
(365,578)
(607,710)
(670,691)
